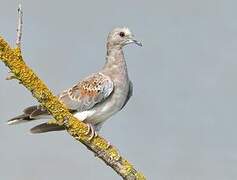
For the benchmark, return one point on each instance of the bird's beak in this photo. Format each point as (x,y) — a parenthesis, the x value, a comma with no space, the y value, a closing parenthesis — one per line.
(137,42)
(134,41)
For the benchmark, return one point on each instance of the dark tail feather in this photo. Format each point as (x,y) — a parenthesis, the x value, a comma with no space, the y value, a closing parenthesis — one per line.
(30,109)
(19,119)
(31,113)
(45,127)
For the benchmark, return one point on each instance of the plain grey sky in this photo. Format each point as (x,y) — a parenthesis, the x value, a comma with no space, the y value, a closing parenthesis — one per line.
(181,121)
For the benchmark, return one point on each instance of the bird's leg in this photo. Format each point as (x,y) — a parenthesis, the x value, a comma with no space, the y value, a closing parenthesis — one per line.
(91,129)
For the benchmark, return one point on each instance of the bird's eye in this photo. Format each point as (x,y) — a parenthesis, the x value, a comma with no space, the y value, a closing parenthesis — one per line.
(121,34)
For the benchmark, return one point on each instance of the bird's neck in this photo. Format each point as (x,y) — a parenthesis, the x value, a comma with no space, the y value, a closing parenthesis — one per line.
(115,62)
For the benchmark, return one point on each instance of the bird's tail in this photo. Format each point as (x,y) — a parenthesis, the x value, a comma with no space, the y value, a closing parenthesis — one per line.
(29,114)
(19,119)
(33,113)
(45,127)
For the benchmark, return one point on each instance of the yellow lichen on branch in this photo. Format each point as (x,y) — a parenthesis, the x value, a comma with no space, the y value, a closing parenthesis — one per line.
(77,129)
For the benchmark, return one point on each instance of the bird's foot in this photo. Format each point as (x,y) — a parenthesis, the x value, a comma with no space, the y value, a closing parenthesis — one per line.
(91,130)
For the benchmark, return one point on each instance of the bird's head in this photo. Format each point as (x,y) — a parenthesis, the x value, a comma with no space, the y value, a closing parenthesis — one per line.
(119,37)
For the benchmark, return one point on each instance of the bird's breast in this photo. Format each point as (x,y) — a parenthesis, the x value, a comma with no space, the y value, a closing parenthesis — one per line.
(111,105)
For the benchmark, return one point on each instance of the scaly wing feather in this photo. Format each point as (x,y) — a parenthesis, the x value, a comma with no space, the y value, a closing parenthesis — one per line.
(87,93)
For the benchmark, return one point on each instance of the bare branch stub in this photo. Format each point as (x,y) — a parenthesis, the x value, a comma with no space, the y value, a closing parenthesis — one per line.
(19,26)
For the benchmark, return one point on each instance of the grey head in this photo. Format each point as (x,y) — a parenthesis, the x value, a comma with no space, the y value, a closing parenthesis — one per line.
(120,37)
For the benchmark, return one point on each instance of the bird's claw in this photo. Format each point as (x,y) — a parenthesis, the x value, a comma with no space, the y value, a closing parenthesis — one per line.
(91,130)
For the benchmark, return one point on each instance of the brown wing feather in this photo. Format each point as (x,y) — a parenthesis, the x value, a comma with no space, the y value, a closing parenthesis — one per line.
(88,92)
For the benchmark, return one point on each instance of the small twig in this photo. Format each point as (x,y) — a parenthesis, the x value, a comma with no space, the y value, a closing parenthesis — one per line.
(10,76)
(19,26)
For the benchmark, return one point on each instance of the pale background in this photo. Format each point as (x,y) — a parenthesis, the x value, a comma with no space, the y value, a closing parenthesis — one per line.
(181,123)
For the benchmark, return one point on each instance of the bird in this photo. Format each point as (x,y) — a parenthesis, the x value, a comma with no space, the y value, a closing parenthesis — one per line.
(98,96)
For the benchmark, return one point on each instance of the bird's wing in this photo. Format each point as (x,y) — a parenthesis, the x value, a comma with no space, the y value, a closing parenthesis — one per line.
(83,96)
(88,92)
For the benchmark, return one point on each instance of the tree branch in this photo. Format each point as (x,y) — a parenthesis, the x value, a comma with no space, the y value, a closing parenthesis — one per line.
(19,26)
(13,59)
